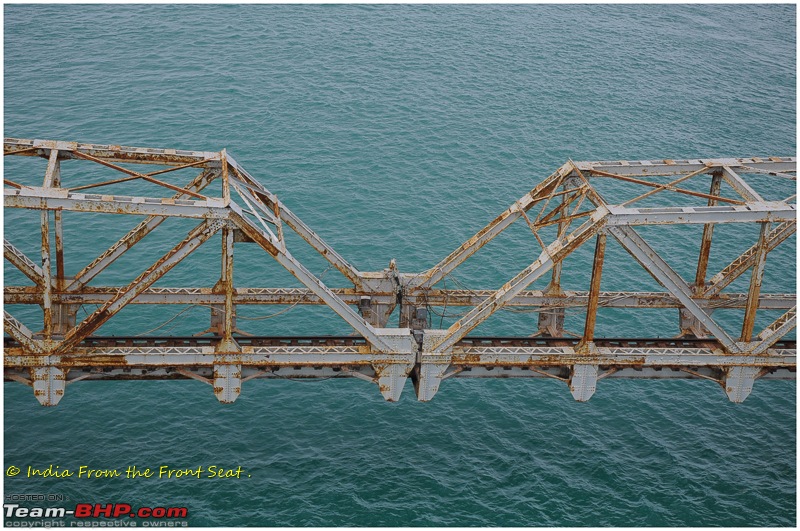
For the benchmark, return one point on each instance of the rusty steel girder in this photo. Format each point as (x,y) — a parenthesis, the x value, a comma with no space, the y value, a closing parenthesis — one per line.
(564,212)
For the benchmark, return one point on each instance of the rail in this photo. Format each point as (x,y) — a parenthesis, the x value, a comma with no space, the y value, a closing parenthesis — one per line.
(564,212)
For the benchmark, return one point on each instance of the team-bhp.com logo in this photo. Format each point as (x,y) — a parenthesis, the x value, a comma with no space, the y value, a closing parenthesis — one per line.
(94,510)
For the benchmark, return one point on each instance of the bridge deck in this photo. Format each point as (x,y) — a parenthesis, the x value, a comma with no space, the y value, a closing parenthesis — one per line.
(156,358)
(564,212)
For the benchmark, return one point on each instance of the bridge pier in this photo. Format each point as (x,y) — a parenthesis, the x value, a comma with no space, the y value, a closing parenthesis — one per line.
(582,381)
(431,367)
(391,378)
(227,380)
(49,384)
(249,212)
(738,382)
(393,370)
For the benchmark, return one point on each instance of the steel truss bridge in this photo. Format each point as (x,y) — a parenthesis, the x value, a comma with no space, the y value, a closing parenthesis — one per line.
(563,212)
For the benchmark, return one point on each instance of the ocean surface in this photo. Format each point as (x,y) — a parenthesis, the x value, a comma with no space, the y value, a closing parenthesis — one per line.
(398,132)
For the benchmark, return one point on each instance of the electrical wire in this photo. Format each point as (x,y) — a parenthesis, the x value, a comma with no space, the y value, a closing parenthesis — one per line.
(165,323)
(192,306)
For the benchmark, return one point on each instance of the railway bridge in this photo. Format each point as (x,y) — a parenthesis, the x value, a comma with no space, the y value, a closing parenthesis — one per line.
(565,211)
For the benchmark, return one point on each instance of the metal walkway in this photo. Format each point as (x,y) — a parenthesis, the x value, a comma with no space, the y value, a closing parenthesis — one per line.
(566,210)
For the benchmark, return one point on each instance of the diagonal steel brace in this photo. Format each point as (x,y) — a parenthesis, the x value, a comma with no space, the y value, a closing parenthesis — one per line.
(666,276)
(23,263)
(270,244)
(775,331)
(193,240)
(745,261)
(21,333)
(134,235)
(554,252)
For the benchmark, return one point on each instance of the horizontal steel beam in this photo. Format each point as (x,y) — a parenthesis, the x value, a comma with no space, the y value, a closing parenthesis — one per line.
(110,153)
(304,296)
(632,373)
(337,351)
(145,155)
(381,355)
(61,199)
(203,373)
(617,357)
(675,167)
(198,356)
(749,213)
(367,373)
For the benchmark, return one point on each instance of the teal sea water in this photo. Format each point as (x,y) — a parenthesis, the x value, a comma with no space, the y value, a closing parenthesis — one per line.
(397,132)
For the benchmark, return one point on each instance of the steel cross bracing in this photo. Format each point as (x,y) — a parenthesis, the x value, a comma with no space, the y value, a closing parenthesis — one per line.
(565,211)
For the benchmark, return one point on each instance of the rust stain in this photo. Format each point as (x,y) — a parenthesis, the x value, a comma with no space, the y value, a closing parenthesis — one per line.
(71,350)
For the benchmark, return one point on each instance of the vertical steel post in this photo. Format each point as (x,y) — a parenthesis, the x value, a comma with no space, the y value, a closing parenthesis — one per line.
(52,179)
(407,312)
(227,276)
(52,174)
(708,232)
(755,285)
(594,289)
(227,380)
(551,321)
(60,280)
(47,287)
(555,279)
(582,380)
(226,185)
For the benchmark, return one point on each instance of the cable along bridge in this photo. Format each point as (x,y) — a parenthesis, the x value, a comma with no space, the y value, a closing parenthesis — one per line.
(565,211)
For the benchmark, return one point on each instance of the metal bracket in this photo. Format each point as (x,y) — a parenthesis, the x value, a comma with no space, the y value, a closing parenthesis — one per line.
(432,366)
(582,381)
(49,384)
(227,382)
(738,382)
(393,370)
